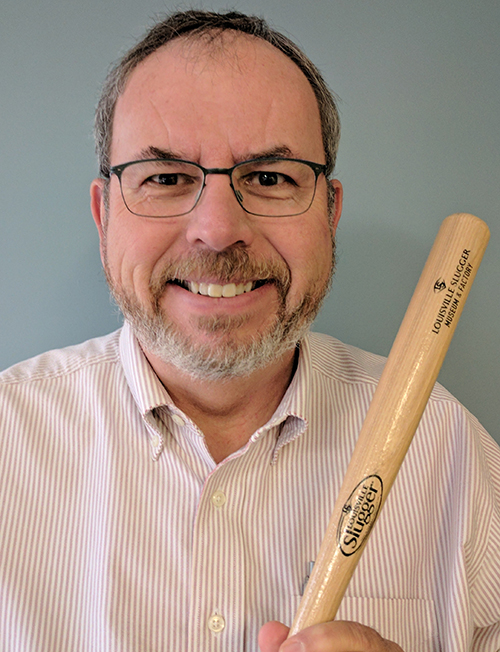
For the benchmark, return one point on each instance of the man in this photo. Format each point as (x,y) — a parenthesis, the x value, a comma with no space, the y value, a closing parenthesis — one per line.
(167,487)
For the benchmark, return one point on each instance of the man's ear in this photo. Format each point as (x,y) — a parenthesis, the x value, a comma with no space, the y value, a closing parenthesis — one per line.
(98,208)
(337,206)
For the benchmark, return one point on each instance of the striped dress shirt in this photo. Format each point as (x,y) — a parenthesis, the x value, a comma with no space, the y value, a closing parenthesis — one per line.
(119,532)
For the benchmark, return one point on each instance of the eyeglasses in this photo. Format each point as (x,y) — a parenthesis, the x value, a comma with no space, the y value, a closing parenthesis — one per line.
(268,187)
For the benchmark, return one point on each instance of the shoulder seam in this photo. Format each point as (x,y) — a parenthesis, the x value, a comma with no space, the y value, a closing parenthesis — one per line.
(70,370)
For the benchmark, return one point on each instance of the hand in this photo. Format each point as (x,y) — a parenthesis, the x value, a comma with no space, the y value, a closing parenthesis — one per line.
(336,636)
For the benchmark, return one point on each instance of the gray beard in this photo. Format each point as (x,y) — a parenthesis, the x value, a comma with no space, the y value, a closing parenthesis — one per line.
(225,357)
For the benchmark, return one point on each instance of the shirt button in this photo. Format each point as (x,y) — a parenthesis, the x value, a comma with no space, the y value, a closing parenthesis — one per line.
(178,420)
(219,498)
(155,441)
(216,623)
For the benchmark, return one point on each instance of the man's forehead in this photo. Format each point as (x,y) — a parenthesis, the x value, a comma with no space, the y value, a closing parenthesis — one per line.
(197,94)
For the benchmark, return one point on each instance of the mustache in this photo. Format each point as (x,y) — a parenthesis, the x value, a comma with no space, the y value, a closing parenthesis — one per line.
(228,266)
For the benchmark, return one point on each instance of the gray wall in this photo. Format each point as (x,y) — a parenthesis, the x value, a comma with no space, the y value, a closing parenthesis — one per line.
(420,97)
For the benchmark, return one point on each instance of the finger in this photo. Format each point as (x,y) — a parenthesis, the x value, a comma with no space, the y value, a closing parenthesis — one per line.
(271,636)
(339,636)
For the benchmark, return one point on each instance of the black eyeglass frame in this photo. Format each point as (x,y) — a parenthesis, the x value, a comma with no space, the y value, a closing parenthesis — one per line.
(317,168)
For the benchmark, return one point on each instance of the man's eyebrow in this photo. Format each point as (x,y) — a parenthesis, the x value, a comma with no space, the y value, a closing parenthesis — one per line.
(278,151)
(156,152)
(274,152)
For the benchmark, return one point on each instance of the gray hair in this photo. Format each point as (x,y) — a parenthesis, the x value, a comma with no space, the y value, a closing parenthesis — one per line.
(196,23)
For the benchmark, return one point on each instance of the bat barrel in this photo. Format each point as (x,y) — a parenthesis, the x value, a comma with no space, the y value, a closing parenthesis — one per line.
(396,409)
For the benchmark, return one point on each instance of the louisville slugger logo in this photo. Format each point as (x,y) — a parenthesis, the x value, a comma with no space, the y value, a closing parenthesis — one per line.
(359,514)
(439,285)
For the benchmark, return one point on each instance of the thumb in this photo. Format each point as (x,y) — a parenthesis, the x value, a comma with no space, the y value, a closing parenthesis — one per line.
(272,635)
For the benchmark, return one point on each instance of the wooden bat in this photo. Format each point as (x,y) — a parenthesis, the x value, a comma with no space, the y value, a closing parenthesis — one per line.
(395,411)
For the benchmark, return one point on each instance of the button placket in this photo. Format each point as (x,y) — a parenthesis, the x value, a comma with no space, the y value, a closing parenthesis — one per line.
(217,595)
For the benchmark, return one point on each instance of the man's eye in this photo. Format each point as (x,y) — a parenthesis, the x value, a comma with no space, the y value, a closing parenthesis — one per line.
(163,179)
(166,179)
(170,179)
(268,178)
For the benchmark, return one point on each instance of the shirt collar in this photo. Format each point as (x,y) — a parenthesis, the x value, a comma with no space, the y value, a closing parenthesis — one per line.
(146,387)
(295,407)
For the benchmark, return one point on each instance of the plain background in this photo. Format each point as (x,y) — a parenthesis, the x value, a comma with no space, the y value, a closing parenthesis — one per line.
(418,82)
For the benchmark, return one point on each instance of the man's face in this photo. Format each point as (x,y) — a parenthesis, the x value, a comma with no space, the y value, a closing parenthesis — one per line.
(217,105)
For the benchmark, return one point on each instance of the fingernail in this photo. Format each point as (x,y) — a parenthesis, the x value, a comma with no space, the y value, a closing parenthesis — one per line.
(293,646)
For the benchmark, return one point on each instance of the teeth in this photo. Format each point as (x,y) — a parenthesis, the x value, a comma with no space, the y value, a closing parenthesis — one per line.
(229,290)
(216,290)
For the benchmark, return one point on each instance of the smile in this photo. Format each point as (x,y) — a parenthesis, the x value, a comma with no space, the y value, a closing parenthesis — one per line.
(219,291)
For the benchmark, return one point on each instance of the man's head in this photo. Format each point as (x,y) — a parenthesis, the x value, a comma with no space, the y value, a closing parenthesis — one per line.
(216,97)
(198,24)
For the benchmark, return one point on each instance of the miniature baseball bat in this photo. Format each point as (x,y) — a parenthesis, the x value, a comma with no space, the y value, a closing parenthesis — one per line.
(395,411)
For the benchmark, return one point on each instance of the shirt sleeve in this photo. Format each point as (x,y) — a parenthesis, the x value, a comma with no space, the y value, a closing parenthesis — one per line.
(485,588)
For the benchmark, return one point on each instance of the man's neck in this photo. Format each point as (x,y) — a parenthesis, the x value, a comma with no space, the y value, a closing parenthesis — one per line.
(228,412)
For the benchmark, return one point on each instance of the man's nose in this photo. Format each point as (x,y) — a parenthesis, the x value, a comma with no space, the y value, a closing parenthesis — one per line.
(218,220)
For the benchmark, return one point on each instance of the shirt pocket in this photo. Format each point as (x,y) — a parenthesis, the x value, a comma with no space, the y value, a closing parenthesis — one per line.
(411,623)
